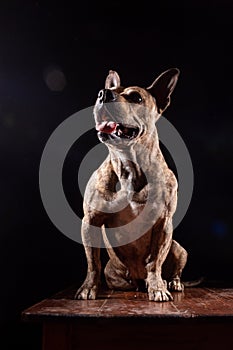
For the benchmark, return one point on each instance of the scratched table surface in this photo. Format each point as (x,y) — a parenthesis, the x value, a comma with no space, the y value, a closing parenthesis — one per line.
(194,303)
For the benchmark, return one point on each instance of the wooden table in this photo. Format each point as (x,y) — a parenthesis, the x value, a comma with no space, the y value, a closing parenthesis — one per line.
(199,318)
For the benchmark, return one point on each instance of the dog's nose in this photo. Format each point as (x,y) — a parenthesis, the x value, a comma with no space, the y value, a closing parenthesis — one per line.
(106,95)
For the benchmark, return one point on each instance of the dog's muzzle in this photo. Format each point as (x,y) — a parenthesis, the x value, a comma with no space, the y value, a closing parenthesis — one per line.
(107,129)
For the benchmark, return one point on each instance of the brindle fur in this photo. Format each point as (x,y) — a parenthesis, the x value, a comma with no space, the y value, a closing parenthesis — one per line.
(154,257)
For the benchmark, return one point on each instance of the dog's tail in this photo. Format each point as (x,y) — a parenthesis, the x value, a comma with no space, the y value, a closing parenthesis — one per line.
(193,283)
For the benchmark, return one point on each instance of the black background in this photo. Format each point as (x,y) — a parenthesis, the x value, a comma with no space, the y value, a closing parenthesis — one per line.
(83,40)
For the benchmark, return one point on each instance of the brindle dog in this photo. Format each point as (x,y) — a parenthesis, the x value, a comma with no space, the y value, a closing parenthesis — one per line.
(132,191)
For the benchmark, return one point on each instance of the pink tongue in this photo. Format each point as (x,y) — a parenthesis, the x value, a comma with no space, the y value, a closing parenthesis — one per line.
(107,127)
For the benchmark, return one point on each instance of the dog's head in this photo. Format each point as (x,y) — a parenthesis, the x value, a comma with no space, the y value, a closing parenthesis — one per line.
(123,115)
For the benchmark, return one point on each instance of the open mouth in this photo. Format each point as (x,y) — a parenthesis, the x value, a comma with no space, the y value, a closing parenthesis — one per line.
(113,130)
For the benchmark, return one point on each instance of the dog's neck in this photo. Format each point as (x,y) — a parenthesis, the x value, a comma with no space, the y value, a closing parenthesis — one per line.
(132,163)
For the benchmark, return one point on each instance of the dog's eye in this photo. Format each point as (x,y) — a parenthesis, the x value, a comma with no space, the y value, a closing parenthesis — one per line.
(134,97)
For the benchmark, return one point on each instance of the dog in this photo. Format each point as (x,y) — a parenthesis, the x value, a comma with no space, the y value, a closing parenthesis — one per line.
(131,198)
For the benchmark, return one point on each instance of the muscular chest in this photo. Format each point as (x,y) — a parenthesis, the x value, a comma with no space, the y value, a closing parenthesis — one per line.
(129,211)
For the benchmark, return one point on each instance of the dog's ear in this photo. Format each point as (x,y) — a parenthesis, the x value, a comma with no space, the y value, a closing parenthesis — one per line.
(112,80)
(162,88)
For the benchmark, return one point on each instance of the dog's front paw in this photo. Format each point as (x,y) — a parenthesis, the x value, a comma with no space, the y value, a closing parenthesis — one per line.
(89,288)
(175,285)
(158,291)
(159,295)
(86,292)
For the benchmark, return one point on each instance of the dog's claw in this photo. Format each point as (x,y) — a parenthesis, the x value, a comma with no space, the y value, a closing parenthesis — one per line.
(159,295)
(85,293)
(159,292)
(175,285)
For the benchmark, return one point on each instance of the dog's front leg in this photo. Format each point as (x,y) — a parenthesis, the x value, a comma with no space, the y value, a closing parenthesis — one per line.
(91,237)
(161,243)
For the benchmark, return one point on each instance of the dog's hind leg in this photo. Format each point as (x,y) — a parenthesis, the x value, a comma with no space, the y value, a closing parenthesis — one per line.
(118,277)
(174,265)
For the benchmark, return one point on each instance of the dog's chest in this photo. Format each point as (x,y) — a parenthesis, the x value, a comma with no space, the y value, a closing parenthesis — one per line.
(122,217)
